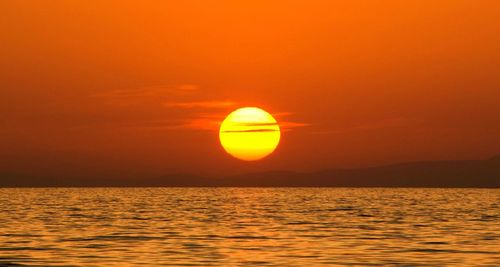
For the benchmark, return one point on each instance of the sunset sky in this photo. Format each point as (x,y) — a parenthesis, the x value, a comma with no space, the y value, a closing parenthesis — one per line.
(126,88)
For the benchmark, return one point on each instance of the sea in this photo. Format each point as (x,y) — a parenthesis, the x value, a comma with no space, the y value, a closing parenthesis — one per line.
(249,227)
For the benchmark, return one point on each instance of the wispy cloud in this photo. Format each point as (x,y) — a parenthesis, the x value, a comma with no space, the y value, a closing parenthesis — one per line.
(290,125)
(256,124)
(151,91)
(203,124)
(128,97)
(200,104)
(184,89)
(372,126)
(251,131)
(212,122)
(282,114)
(181,106)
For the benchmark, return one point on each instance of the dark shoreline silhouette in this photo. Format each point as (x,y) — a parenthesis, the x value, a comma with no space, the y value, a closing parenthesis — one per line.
(442,174)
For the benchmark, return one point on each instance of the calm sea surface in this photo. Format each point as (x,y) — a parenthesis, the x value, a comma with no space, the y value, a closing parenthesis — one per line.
(249,227)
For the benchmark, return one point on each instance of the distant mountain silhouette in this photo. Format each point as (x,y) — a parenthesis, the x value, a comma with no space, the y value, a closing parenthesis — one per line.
(497,157)
(462,173)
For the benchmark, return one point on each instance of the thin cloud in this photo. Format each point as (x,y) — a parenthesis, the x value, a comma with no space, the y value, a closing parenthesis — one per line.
(251,131)
(204,115)
(145,96)
(211,121)
(187,88)
(290,125)
(257,124)
(186,124)
(282,114)
(282,124)
(200,104)
(203,124)
(150,91)
(382,124)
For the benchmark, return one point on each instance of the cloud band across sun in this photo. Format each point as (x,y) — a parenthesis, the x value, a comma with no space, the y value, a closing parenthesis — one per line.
(182,107)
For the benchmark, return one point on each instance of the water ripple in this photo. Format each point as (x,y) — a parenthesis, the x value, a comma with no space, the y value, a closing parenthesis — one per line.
(249,227)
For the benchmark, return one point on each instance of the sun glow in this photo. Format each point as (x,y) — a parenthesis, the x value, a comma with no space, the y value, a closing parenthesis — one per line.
(249,133)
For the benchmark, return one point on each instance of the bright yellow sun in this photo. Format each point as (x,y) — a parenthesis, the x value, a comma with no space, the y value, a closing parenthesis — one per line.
(249,133)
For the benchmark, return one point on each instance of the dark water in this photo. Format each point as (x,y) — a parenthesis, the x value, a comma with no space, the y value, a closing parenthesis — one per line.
(249,227)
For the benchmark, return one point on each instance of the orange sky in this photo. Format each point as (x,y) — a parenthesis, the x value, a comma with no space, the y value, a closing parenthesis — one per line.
(138,87)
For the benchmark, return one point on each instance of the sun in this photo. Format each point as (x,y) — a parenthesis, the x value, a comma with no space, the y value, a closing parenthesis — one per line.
(249,133)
